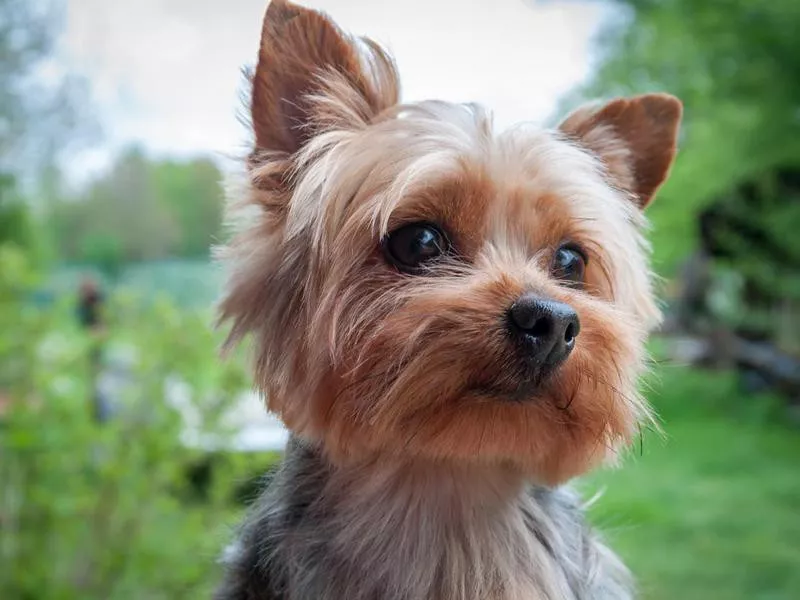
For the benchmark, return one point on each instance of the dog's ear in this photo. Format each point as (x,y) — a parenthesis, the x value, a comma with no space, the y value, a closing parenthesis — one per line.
(311,76)
(636,138)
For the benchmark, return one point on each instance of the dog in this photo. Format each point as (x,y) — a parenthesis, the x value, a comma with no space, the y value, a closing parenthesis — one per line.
(449,320)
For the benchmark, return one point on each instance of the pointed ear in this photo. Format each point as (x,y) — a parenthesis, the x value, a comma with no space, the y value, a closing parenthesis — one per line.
(311,75)
(635,137)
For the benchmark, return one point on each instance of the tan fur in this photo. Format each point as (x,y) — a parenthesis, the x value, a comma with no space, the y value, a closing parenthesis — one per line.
(635,137)
(303,62)
(381,368)
(413,515)
(432,342)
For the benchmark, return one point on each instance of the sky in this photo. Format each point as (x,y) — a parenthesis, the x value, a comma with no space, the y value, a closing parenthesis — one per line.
(166,74)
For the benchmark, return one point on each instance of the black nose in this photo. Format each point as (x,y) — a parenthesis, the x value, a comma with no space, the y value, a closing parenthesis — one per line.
(546,329)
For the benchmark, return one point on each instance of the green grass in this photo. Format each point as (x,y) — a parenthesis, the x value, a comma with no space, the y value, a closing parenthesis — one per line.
(711,510)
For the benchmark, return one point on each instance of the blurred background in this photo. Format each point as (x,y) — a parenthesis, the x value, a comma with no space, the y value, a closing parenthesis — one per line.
(128,449)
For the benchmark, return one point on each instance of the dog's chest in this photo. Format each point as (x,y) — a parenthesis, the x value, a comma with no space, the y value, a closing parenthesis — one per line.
(393,550)
(399,535)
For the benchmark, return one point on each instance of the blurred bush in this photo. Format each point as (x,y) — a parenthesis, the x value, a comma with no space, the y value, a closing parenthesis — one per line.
(17,225)
(90,510)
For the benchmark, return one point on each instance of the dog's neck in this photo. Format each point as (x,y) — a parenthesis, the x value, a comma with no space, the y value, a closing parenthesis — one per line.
(427,530)
(382,529)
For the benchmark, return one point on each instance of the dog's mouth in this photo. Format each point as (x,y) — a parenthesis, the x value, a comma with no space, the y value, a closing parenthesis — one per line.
(524,385)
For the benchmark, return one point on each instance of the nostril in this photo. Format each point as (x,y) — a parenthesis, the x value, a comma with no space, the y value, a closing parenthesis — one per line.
(570,333)
(528,316)
(541,328)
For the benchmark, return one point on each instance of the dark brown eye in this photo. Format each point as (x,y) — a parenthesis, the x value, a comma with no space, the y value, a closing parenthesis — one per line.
(410,247)
(569,265)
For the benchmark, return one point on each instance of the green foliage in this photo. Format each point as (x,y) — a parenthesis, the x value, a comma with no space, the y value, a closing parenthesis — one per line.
(191,192)
(25,39)
(15,226)
(150,209)
(104,251)
(16,354)
(40,117)
(765,263)
(92,510)
(730,62)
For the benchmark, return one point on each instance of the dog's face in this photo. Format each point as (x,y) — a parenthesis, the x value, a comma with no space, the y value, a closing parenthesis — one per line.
(419,286)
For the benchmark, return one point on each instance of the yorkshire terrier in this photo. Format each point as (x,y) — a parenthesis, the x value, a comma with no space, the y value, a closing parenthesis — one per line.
(451,322)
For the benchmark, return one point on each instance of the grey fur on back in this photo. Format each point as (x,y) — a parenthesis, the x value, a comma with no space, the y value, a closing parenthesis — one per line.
(299,543)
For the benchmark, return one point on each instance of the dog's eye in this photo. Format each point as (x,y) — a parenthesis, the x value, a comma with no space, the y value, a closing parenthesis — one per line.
(411,246)
(569,265)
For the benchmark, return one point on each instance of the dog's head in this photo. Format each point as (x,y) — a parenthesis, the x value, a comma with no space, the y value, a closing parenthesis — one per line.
(419,285)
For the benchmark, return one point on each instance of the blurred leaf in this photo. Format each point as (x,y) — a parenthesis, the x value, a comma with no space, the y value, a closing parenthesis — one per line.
(110,511)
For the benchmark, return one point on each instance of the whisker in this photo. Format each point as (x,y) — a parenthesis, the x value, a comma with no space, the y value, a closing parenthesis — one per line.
(641,442)
(610,386)
(573,395)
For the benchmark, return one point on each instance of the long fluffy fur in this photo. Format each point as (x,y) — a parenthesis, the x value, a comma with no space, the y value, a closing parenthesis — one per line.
(410,531)
(350,352)
(423,466)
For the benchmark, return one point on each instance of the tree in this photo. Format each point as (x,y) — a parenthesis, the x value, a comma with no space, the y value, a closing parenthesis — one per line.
(192,194)
(15,225)
(41,117)
(142,210)
(736,66)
